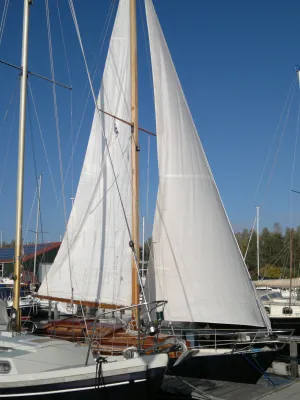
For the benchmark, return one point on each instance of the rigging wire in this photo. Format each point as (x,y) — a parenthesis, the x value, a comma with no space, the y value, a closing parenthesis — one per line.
(147,51)
(9,135)
(71,97)
(8,106)
(288,103)
(3,19)
(95,68)
(34,163)
(280,142)
(58,138)
(35,173)
(294,160)
(29,217)
(252,230)
(274,137)
(134,250)
(153,99)
(286,109)
(43,141)
(148,147)
(274,260)
(148,182)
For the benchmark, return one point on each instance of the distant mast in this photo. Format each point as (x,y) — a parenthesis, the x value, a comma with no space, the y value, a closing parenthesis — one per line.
(37,227)
(297,69)
(257,240)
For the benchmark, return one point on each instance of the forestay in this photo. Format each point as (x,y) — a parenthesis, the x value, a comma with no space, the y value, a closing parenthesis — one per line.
(95,258)
(196,266)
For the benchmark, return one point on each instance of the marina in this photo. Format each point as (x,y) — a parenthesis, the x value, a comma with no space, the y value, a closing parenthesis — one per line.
(180,307)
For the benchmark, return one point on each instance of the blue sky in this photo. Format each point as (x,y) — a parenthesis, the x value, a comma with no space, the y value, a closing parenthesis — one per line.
(235,60)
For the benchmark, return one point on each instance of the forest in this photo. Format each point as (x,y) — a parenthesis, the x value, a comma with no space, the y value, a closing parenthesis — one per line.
(275,254)
(275,251)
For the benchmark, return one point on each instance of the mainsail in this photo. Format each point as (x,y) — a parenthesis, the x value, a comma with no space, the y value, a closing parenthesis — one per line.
(196,264)
(94,260)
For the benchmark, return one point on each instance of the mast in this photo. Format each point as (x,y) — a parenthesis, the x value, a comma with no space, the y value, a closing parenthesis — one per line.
(20,180)
(143,253)
(291,264)
(257,239)
(134,152)
(37,226)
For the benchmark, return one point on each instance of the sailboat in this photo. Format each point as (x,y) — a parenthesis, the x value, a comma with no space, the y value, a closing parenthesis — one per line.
(196,264)
(200,281)
(42,367)
(98,260)
(279,296)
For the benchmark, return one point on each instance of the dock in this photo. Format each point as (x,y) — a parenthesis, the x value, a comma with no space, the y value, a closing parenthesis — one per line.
(280,382)
(190,388)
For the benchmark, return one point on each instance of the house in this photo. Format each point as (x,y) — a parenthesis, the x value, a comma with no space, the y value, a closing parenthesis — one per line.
(46,253)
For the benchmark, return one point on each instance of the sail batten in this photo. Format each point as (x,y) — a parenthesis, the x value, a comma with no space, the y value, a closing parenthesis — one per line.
(93,264)
(196,264)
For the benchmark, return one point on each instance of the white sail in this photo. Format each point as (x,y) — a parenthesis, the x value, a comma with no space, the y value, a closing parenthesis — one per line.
(94,260)
(196,263)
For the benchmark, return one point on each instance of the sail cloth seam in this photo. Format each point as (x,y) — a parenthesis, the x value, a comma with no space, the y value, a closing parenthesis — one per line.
(58,134)
(72,8)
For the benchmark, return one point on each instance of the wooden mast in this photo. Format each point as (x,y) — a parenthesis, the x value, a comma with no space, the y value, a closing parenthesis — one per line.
(20,181)
(134,151)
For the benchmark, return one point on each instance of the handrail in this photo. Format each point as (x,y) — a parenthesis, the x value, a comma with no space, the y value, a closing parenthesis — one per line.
(157,303)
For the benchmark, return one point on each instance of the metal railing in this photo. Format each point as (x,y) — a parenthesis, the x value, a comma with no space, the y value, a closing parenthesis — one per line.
(149,306)
(234,339)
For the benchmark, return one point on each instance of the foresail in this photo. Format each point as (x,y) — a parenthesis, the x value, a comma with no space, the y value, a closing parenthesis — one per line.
(94,260)
(196,264)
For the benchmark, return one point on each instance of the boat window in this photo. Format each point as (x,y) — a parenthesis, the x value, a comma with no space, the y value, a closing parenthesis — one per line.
(5,367)
(264,298)
(274,295)
(287,311)
(267,310)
